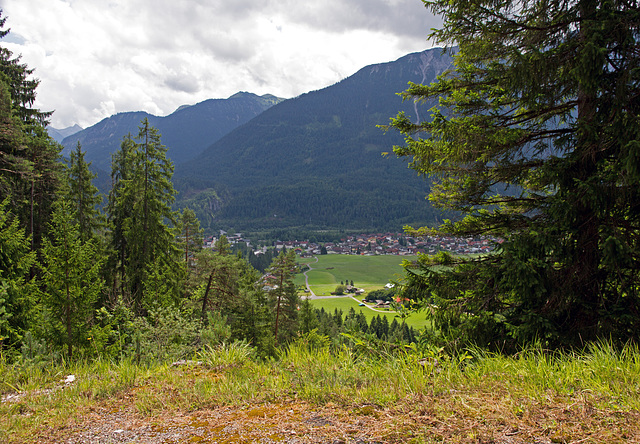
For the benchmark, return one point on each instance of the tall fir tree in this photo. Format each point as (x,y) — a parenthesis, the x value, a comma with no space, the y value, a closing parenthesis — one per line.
(140,212)
(70,280)
(285,296)
(190,240)
(219,273)
(119,211)
(30,171)
(16,289)
(536,140)
(84,195)
(22,84)
(308,320)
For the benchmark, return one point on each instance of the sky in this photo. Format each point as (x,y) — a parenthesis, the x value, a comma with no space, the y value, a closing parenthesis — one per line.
(96,58)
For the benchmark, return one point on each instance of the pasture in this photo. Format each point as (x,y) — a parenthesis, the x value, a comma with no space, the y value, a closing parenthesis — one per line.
(367,272)
(345,303)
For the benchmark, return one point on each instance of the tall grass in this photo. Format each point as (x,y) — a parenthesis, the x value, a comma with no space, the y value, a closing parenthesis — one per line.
(312,370)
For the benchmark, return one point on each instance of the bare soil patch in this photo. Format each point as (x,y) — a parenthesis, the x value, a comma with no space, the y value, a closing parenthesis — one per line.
(451,419)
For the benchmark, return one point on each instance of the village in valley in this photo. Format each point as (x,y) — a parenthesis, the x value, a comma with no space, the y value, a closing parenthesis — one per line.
(371,244)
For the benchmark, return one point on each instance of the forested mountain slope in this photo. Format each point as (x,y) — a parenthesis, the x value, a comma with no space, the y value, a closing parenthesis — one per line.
(316,160)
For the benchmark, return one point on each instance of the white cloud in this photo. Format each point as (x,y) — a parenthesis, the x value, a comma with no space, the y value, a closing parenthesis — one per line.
(95,58)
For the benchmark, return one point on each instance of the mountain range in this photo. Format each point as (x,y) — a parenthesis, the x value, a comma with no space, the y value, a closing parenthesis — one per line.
(186,132)
(314,161)
(59,134)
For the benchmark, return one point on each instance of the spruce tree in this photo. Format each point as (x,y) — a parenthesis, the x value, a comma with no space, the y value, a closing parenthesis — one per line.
(285,297)
(119,211)
(219,272)
(84,195)
(16,289)
(150,237)
(22,84)
(70,280)
(191,238)
(535,140)
(308,318)
(30,170)
(140,213)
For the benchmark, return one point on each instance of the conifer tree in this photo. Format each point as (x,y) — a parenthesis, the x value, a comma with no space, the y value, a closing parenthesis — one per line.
(84,195)
(22,84)
(16,289)
(119,210)
(191,238)
(140,212)
(221,271)
(251,318)
(30,170)
(285,296)
(308,318)
(149,236)
(70,279)
(536,140)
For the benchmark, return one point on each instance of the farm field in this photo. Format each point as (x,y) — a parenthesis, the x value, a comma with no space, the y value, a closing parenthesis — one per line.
(368,272)
(345,303)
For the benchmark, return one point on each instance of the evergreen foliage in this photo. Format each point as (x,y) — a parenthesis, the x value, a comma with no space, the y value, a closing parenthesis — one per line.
(16,289)
(84,196)
(190,241)
(140,210)
(29,167)
(285,296)
(70,280)
(536,139)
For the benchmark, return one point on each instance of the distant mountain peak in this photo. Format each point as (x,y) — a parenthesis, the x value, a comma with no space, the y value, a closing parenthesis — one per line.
(59,134)
(242,94)
(186,132)
(181,107)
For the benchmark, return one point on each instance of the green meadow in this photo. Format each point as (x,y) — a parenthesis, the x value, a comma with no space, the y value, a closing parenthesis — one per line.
(367,272)
(345,303)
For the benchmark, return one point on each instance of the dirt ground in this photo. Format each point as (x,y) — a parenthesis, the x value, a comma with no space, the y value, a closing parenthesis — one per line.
(295,421)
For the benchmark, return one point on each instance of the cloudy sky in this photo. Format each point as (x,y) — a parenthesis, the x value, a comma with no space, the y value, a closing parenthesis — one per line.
(95,58)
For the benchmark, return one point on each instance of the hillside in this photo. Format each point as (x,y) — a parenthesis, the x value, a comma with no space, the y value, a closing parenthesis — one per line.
(316,160)
(186,132)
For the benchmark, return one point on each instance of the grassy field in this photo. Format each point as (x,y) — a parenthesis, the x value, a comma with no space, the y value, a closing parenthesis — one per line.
(416,320)
(368,272)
